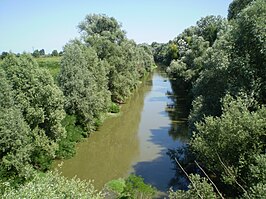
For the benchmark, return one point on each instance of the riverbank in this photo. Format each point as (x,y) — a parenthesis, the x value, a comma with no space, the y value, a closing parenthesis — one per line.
(136,141)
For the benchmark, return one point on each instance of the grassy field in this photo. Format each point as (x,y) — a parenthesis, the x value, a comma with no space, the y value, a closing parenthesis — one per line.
(50,63)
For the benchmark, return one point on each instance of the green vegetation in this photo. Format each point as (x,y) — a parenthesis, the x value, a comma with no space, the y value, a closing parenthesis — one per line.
(125,61)
(114,108)
(52,185)
(131,187)
(31,115)
(199,188)
(38,53)
(231,144)
(103,58)
(80,78)
(116,187)
(55,53)
(42,119)
(74,134)
(52,64)
(222,65)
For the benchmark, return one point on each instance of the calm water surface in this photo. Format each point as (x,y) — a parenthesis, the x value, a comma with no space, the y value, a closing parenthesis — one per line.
(135,141)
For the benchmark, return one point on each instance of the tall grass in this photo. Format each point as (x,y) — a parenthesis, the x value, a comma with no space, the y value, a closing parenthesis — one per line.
(50,63)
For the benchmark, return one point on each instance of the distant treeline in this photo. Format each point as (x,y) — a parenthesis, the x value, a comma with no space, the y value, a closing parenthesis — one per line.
(36,53)
(41,119)
(222,64)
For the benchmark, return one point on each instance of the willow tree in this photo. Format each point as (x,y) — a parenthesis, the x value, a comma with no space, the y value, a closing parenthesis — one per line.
(124,69)
(15,136)
(40,102)
(83,81)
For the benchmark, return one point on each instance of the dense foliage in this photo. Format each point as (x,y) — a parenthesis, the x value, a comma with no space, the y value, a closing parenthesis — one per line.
(222,65)
(98,71)
(198,189)
(31,114)
(103,58)
(126,62)
(230,145)
(52,64)
(52,185)
(41,119)
(81,76)
(131,187)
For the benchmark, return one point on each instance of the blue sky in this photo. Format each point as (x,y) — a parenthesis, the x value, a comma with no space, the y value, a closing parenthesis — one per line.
(32,24)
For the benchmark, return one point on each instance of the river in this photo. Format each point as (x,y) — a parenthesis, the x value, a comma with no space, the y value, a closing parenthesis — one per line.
(135,141)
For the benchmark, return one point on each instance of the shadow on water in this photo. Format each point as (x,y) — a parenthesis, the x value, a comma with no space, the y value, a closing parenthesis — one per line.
(108,153)
(178,110)
(136,141)
(160,171)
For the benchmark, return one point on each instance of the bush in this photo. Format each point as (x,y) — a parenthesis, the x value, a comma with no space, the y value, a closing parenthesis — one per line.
(74,134)
(116,187)
(131,187)
(52,185)
(114,108)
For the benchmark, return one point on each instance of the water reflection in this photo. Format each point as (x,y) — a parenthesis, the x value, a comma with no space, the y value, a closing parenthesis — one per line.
(178,110)
(160,129)
(108,153)
(136,141)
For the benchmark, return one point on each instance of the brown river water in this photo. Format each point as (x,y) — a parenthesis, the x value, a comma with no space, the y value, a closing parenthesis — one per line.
(134,141)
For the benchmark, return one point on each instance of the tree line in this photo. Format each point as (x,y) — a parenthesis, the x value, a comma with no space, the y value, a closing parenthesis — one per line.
(221,64)
(36,53)
(41,119)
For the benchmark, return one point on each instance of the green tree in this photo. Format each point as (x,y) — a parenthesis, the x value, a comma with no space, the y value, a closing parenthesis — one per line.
(228,145)
(15,136)
(125,63)
(84,83)
(189,59)
(173,51)
(54,53)
(3,55)
(213,81)
(124,76)
(258,171)
(160,53)
(229,137)
(102,26)
(6,93)
(36,94)
(209,27)
(248,52)
(145,59)
(237,51)
(36,53)
(42,52)
(198,189)
(136,188)
(41,104)
(52,185)
(16,146)
(236,7)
